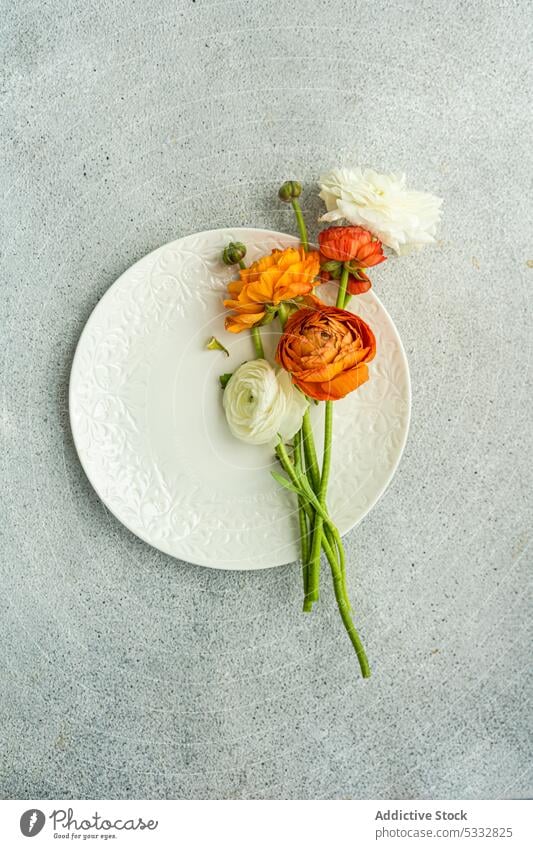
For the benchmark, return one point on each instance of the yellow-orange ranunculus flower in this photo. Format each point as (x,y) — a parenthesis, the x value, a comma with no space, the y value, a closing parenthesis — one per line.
(276,277)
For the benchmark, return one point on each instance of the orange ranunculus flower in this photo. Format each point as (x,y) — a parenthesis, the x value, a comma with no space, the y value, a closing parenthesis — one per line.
(276,277)
(351,244)
(326,351)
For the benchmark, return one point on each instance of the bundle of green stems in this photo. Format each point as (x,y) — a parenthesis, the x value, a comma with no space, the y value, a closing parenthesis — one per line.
(308,479)
(317,531)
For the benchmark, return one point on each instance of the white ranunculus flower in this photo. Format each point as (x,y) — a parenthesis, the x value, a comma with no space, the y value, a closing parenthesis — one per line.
(403,219)
(261,402)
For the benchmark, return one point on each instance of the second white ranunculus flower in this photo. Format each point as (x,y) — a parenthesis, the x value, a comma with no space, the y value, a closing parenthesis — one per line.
(261,402)
(403,219)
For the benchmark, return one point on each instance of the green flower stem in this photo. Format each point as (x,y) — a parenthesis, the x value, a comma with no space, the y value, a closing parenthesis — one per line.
(302,519)
(326,462)
(336,571)
(343,299)
(258,345)
(311,461)
(344,610)
(255,332)
(325,534)
(333,535)
(343,603)
(334,539)
(283,314)
(311,464)
(343,283)
(313,474)
(308,506)
(301,484)
(302,229)
(314,557)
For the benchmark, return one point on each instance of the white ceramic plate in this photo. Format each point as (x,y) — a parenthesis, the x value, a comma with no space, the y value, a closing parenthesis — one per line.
(146,413)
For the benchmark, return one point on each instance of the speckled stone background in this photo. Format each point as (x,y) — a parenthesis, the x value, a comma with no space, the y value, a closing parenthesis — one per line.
(127,674)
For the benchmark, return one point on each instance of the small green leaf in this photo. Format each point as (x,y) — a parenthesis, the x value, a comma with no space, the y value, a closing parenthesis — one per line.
(224,379)
(214,345)
(285,482)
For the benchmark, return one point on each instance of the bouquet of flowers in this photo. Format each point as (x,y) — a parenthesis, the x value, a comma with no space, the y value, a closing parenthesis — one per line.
(324,350)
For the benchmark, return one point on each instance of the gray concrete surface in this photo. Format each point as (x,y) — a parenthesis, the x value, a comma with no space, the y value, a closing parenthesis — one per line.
(127,674)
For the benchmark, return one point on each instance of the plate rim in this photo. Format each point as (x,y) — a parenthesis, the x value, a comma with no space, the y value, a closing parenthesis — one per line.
(199,562)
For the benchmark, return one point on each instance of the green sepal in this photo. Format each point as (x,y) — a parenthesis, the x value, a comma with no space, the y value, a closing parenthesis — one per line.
(270,314)
(333,267)
(224,379)
(356,270)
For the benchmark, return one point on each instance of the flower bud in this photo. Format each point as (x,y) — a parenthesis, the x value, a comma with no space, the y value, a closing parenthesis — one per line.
(233,253)
(289,190)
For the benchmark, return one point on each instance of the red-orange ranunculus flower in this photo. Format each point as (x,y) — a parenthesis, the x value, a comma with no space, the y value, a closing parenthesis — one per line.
(326,351)
(353,245)
(279,276)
